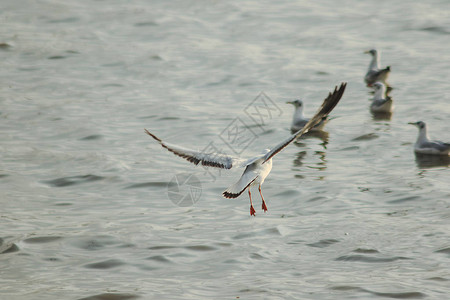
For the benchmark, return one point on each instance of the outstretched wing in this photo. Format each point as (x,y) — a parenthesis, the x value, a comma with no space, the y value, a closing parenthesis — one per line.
(327,106)
(216,160)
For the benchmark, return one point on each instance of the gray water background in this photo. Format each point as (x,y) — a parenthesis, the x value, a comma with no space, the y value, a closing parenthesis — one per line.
(85,209)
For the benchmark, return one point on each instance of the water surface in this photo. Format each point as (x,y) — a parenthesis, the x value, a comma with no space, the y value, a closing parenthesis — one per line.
(86,209)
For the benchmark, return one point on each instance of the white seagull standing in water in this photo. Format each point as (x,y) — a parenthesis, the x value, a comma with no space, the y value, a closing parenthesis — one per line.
(380,104)
(374,73)
(258,167)
(299,121)
(423,144)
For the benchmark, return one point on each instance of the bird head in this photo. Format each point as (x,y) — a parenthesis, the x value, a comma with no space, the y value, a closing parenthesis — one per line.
(378,85)
(372,52)
(296,103)
(418,124)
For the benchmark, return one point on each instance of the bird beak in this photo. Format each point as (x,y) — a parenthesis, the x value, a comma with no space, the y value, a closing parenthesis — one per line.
(367,52)
(289,102)
(412,123)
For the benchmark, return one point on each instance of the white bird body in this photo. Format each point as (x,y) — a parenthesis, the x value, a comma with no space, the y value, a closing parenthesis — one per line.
(374,73)
(254,173)
(379,103)
(256,168)
(424,145)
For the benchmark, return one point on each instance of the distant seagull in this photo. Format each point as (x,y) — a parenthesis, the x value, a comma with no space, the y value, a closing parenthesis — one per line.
(256,168)
(380,104)
(299,121)
(423,144)
(374,73)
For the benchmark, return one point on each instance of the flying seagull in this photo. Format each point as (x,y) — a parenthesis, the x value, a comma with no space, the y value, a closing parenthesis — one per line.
(380,104)
(423,144)
(299,121)
(256,168)
(374,73)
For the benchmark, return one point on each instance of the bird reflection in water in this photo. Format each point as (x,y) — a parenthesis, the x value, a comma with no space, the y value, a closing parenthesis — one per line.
(426,161)
(318,134)
(381,116)
(298,160)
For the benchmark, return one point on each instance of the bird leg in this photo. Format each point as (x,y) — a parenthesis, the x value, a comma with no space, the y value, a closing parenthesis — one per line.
(264,207)
(252,209)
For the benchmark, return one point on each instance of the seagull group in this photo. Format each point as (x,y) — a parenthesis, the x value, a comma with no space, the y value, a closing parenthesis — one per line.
(376,78)
(257,168)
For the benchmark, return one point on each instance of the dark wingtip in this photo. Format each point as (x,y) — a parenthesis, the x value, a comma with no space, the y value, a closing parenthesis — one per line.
(332,100)
(235,195)
(230,195)
(337,95)
(152,135)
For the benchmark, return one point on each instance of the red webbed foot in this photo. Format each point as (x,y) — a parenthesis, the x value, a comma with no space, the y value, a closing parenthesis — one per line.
(252,210)
(264,207)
